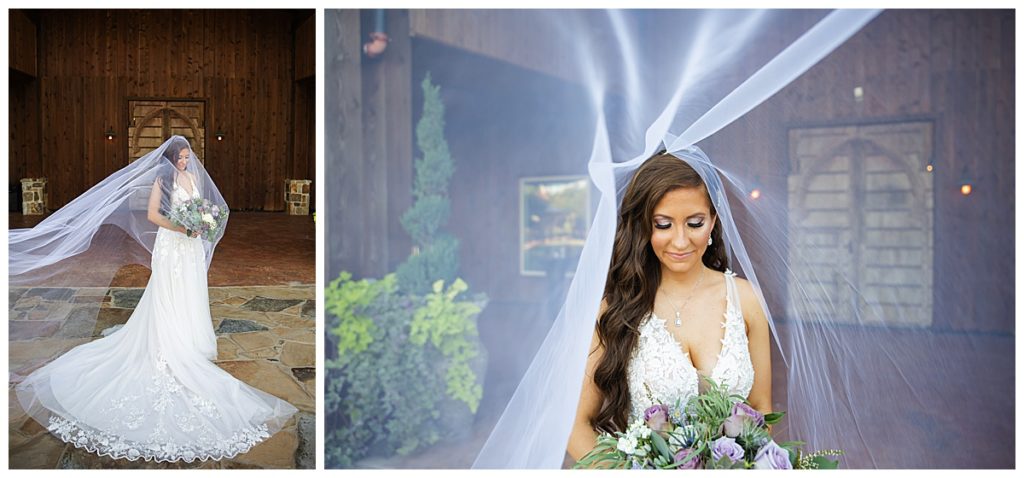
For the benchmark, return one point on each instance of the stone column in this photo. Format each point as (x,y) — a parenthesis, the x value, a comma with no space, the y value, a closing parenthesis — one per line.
(33,196)
(296,196)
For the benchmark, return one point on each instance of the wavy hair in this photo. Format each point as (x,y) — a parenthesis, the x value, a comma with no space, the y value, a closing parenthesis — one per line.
(634,276)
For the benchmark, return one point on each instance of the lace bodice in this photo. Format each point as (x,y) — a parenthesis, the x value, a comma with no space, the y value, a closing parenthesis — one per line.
(660,370)
(179,194)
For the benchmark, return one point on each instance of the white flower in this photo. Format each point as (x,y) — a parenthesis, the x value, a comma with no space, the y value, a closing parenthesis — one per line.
(639,429)
(208,218)
(627,444)
(645,431)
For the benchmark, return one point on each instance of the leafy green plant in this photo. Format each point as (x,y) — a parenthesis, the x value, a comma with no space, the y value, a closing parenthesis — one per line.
(404,352)
(448,325)
(345,298)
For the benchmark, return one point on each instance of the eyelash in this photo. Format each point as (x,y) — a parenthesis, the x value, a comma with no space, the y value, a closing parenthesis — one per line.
(666,226)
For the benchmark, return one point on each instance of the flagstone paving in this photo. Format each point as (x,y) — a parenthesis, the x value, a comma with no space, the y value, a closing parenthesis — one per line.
(265,337)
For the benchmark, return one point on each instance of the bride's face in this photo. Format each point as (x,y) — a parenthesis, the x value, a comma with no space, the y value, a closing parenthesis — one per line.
(182,159)
(682,224)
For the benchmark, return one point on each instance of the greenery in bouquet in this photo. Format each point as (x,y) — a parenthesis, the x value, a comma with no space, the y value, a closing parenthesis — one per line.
(713,430)
(202,216)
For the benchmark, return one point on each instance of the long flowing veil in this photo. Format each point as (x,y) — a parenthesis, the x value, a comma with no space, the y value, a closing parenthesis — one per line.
(85,244)
(534,428)
(834,145)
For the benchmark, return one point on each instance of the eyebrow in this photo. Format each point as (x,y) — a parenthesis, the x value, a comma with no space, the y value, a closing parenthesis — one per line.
(691,216)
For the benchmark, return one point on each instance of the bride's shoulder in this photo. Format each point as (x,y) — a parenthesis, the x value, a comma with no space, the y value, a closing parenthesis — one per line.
(750,305)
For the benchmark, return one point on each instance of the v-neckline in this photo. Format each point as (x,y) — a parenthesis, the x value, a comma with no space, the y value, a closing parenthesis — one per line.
(192,188)
(722,341)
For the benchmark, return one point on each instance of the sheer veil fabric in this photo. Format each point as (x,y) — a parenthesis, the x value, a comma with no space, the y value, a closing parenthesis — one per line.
(534,429)
(887,291)
(148,390)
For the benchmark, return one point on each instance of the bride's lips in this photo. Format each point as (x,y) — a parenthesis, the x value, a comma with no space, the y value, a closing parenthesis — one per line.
(679,256)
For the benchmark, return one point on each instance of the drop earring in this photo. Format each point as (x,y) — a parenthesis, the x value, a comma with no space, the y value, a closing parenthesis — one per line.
(710,240)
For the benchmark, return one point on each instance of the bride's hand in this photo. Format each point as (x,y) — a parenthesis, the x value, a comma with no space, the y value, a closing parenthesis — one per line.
(192,234)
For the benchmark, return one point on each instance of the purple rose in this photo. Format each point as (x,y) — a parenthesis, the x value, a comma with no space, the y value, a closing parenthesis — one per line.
(772,457)
(741,414)
(727,447)
(742,409)
(694,462)
(733,426)
(656,418)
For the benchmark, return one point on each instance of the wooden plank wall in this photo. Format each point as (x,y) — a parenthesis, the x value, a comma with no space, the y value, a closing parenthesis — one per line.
(513,36)
(240,62)
(343,151)
(369,143)
(22,48)
(955,68)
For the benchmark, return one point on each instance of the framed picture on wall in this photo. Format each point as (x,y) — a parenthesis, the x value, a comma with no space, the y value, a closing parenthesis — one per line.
(554,213)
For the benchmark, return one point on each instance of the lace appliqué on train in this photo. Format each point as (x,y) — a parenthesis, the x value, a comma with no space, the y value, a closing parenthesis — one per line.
(170,405)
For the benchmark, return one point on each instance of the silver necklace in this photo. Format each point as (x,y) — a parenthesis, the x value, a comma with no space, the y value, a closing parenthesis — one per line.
(679,320)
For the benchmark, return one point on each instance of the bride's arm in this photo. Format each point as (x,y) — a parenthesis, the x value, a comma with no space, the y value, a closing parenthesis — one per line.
(758,338)
(153,210)
(583,437)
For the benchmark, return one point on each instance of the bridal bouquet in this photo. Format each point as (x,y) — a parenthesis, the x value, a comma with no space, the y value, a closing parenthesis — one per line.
(199,215)
(713,430)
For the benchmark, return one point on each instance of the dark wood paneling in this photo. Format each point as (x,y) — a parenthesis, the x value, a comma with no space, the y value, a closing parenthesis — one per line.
(242,63)
(304,155)
(23,121)
(951,67)
(513,36)
(343,140)
(22,46)
(305,49)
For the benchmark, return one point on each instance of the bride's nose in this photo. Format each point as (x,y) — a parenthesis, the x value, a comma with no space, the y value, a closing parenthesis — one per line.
(680,240)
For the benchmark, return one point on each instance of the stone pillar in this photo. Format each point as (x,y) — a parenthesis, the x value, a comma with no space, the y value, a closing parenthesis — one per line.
(33,196)
(296,196)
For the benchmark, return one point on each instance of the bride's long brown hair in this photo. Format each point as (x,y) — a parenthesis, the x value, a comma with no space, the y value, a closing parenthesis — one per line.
(634,276)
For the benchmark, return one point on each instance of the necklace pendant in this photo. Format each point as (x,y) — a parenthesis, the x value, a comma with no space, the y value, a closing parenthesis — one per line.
(679,322)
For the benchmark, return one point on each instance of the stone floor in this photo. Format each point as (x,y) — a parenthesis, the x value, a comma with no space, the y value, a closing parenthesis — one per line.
(265,337)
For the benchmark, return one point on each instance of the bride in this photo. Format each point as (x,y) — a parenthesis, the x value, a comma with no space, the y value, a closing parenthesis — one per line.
(672,311)
(148,390)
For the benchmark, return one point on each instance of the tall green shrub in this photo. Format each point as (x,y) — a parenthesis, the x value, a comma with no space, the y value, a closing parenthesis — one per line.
(438,252)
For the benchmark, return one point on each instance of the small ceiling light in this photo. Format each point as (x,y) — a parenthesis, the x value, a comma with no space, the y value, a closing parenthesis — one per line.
(858,94)
(966,184)
(110,134)
(929,168)
(219,135)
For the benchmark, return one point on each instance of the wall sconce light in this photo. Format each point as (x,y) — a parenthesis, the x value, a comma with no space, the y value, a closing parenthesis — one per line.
(755,189)
(929,167)
(966,184)
(110,134)
(858,94)
(219,135)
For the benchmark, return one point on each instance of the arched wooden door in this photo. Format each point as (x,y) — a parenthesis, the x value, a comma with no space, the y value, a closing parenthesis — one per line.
(153,121)
(861,201)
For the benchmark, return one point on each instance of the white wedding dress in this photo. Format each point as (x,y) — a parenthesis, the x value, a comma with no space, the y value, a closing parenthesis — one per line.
(660,372)
(149,390)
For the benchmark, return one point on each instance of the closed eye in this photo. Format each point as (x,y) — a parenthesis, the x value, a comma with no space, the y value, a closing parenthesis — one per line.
(695,225)
(659,225)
